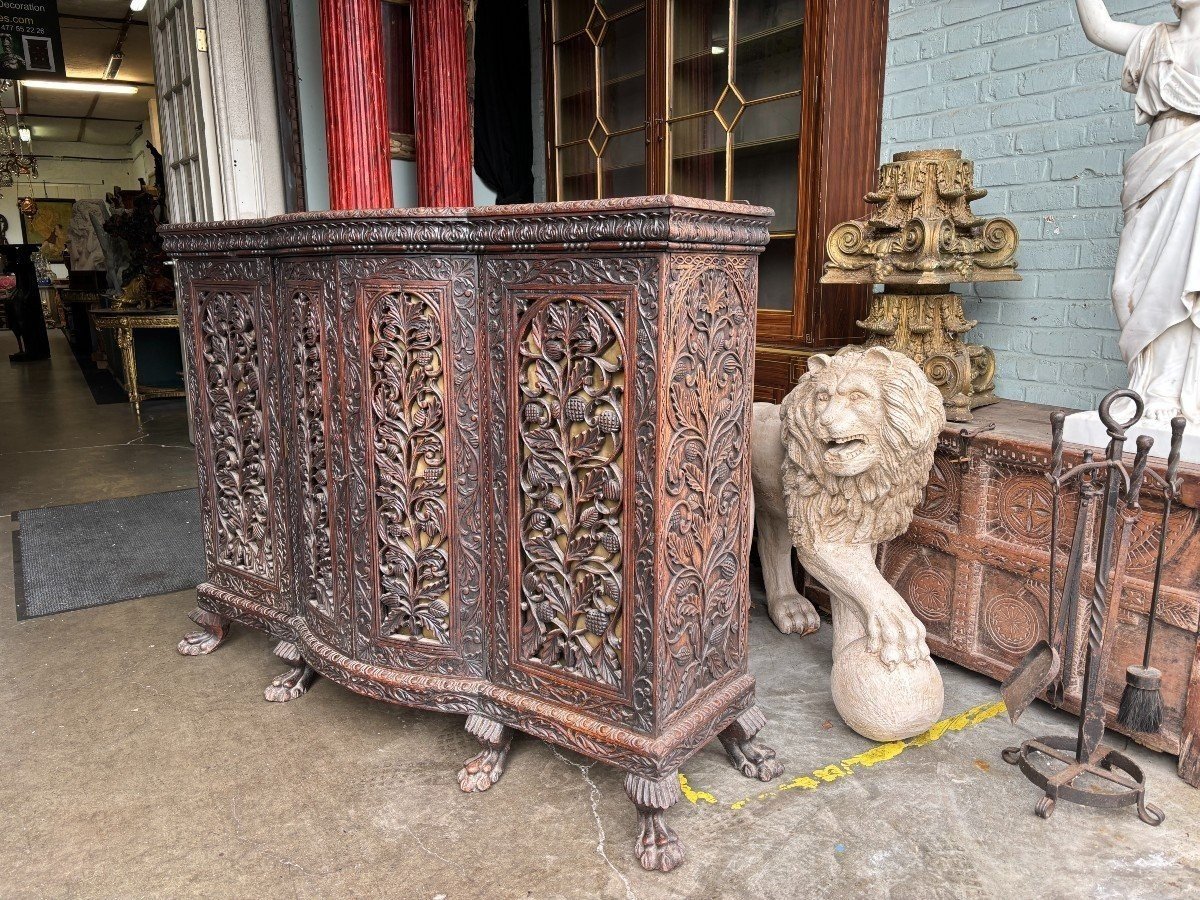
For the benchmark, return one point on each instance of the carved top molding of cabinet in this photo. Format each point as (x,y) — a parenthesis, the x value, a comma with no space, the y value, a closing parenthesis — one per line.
(628,223)
(490,460)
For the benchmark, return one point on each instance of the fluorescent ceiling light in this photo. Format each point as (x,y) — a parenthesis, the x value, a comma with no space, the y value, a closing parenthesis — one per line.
(137,5)
(84,87)
(24,134)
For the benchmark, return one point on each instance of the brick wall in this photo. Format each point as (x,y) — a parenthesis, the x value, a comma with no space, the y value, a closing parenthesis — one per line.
(1017,87)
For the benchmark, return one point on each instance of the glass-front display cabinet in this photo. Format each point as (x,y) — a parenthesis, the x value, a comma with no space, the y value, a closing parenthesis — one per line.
(773,102)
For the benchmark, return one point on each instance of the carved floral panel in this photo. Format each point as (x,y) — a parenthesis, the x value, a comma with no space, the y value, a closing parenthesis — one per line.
(704,483)
(529,300)
(570,383)
(310,386)
(406,385)
(233,392)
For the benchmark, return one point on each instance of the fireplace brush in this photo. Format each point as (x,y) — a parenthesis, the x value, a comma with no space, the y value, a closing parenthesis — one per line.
(1141,703)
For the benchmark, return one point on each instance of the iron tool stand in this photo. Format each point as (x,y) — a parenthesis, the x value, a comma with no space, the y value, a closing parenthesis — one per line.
(1080,769)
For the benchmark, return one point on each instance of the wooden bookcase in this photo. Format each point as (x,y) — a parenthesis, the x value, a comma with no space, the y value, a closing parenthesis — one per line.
(774,102)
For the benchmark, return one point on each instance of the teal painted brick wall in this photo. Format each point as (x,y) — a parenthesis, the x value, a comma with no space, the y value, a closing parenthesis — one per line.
(1016,86)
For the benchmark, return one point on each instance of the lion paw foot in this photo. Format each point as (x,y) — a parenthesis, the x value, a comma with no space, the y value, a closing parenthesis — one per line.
(200,643)
(897,636)
(291,684)
(752,759)
(794,614)
(482,770)
(658,847)
(213,630)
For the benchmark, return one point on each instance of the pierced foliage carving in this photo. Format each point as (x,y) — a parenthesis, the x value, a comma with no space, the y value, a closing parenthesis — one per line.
(234,387)
(308,340)
(571,385)
(408,433)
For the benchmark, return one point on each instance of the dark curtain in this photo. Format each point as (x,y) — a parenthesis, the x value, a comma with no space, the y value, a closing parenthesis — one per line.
(503,120)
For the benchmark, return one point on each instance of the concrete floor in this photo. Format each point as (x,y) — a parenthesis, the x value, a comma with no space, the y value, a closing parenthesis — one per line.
(128,771)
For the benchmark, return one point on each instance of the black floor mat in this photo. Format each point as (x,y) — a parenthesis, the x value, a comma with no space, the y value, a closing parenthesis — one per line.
(90,554)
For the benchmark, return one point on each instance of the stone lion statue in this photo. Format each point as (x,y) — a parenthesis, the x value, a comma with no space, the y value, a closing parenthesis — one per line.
(838,469)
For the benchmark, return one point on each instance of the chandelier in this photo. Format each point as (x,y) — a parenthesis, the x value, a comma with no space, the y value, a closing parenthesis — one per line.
(13,162)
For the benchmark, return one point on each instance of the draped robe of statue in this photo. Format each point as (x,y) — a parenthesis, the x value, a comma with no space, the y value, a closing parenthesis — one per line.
(1156,288)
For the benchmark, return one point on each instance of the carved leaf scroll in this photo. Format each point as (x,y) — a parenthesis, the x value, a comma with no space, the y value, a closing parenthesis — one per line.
(704,484)
(407,384)
(571,386)
(233,387)
(308,369)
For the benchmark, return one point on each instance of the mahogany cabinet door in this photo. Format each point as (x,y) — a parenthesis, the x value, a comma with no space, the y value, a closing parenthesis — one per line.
(410,391)
(571,374)
(315,425)
(230,319)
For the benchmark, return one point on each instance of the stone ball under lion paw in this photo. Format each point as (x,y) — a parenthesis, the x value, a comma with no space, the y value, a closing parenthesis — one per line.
(885,705)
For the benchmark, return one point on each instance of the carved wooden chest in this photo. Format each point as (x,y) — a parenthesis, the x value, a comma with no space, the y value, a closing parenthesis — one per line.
(491,462)
(973,567)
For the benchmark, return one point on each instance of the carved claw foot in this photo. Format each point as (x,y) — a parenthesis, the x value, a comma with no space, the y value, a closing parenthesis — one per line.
(752,759)
(293,683)
(658,847)
(212,633)
(484,769)
(793,614)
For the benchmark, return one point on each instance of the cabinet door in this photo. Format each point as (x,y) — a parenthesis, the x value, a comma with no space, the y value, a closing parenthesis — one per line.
(411,392)
(571,420)
(231,325)
(597,128)
(316,462)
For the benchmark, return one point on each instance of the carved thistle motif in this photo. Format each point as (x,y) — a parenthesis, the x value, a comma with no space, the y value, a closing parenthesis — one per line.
(233,388)
(571,384)
(408,434)
(921,236)
(308,372)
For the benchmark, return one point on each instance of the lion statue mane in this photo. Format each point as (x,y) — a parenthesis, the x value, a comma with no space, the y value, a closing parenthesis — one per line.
(873,504)
(838,469)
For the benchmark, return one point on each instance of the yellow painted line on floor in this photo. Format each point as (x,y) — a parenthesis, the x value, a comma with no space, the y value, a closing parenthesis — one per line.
(692,795)
(880,753)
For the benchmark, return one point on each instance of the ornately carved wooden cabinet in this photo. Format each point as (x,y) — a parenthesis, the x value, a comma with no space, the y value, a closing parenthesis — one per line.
(492,462)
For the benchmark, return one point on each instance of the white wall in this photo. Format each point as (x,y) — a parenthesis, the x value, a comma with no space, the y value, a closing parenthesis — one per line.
(307,28)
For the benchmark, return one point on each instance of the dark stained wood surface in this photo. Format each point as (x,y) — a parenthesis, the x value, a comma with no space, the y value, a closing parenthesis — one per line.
(493,462)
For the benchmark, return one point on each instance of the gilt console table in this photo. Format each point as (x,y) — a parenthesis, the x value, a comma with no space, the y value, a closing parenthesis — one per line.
(492,462)
(123,323)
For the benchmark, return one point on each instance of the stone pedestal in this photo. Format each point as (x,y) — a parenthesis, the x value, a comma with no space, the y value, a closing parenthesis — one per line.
(926,325)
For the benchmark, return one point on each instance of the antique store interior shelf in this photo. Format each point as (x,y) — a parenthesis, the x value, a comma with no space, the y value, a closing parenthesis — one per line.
(492,462)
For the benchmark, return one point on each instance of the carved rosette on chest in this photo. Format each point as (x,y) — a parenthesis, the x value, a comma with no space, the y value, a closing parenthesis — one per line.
(920,237)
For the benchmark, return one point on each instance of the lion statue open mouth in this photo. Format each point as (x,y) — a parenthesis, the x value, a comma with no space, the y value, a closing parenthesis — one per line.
(838,468)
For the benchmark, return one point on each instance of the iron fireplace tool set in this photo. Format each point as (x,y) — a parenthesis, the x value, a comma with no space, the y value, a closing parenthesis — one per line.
(1080,768)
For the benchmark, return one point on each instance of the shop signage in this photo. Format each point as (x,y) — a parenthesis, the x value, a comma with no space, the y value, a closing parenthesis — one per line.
(30,42)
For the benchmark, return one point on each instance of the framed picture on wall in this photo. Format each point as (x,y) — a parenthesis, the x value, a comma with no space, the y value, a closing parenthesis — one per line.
(48,227)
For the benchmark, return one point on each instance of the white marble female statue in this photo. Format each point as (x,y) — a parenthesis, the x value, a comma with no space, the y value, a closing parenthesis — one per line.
(1156,287)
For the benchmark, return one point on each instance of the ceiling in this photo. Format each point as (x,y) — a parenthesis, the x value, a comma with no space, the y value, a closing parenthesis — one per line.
(90,29)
